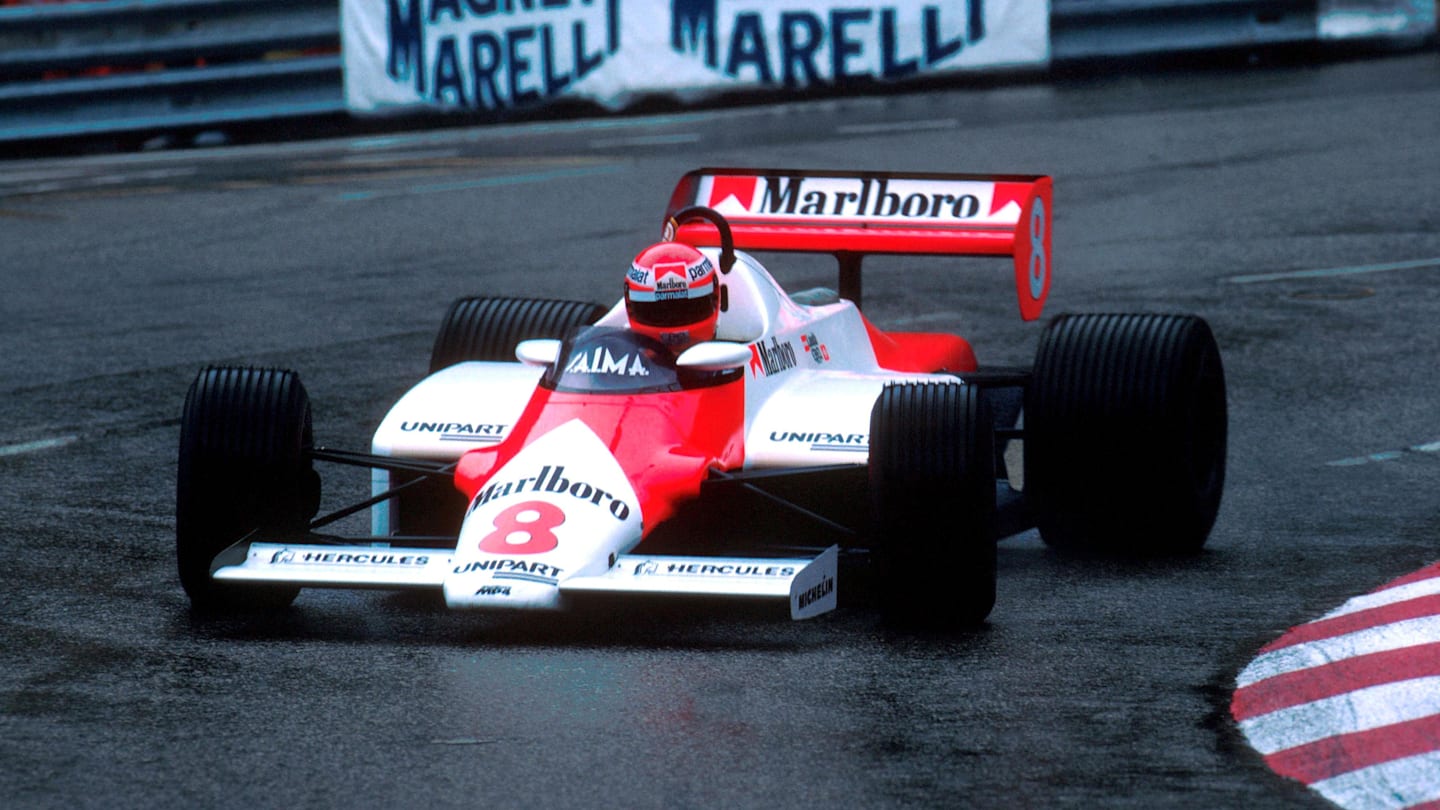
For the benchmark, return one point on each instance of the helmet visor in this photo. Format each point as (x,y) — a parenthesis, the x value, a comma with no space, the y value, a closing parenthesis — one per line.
(672,312)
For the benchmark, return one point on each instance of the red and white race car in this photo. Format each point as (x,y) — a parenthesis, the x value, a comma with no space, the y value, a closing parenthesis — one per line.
(555,451)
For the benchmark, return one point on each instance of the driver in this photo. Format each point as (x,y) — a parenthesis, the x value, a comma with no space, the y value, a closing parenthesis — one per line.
(672,295)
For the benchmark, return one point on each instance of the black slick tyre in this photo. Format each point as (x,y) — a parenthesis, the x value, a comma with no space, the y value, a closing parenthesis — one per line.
(932,502)
(1125,434)
(488,328)
(245,436)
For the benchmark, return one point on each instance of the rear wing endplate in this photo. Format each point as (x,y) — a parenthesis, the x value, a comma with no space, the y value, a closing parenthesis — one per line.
(853,214)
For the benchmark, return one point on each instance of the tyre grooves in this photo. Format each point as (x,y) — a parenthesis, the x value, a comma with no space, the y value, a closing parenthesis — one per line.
(488,328)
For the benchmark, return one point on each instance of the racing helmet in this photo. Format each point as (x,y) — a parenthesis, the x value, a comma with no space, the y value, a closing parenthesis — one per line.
(672,294)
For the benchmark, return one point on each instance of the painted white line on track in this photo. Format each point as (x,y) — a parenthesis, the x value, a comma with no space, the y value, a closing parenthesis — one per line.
(371,158)
(1326,651)
(1360,710)
(1385,455)
(898,126)
(522,131)
(1418,264)
(481,183)
(647,140)
(36,446)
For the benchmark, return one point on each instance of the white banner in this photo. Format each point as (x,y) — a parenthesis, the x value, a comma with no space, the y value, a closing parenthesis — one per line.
(1359,19)
(480,55)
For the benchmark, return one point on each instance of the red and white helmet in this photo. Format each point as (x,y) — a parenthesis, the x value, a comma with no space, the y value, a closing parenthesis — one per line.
(672,294)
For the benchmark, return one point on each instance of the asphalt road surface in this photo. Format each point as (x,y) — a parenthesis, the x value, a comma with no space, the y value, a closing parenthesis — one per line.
(1295,207)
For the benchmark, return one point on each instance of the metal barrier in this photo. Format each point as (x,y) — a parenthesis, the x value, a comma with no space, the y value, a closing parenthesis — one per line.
(1098,29)
(130,66)
(122,66)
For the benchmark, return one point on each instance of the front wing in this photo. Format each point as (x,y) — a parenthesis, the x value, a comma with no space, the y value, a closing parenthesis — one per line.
(809,584)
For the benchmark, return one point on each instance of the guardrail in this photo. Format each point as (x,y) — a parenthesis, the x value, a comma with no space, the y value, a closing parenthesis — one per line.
(130,66)
(87,68)
(1097,29)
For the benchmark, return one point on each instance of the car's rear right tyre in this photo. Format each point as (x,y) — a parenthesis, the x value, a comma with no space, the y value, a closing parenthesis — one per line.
(932,497)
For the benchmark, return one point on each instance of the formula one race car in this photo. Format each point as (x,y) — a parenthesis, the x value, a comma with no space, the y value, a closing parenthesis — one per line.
(559,449)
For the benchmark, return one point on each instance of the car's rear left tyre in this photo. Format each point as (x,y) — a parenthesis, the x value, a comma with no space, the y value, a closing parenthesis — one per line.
(932,500)
(1125,433)
(245,437)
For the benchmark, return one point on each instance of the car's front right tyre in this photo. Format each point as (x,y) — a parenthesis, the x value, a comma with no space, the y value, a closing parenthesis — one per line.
(244,464)
(932,503)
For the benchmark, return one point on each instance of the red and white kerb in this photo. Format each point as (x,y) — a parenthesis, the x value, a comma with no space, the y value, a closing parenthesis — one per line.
(1349,704)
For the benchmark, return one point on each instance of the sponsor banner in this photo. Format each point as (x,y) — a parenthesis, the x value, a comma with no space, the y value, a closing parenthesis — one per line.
(488,55)
(1363,19)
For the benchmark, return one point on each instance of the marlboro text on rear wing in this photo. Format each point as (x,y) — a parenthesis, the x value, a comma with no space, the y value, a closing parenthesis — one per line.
(852,214)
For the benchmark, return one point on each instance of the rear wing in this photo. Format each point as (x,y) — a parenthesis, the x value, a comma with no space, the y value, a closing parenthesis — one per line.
(852,214)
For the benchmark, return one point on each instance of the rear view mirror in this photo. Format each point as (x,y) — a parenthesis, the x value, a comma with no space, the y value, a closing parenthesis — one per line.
(714,355)
(537,352)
